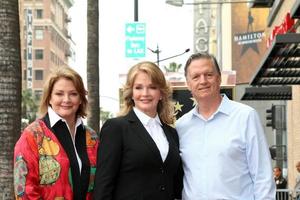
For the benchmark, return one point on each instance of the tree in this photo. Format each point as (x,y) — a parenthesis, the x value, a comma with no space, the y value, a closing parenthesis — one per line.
(105,115)
(93,64)
(173,67)
(29,106)
(10,92)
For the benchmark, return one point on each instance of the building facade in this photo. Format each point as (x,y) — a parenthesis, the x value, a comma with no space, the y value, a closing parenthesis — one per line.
(278,75)
(45,40)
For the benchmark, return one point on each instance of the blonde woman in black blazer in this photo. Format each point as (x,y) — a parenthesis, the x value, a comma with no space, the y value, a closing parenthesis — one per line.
(138,160)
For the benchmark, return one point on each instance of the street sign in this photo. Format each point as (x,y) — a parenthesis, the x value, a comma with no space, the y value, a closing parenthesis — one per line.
(135,42)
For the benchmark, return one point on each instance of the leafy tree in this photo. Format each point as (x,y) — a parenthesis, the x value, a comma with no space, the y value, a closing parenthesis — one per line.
(105,115)
(173,67)
(10,92)
(29,105)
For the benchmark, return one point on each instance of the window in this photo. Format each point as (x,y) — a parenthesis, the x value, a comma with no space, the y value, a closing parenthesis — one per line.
(39,54)
(25,75)
(25,54)
(39,14)
(39,34)
(39,74)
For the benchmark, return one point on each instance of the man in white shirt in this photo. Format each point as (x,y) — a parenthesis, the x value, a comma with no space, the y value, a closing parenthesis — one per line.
(223,147)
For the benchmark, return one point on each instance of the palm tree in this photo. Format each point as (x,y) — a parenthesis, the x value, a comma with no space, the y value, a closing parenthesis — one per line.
(10,92)
(93,64)
(173,67)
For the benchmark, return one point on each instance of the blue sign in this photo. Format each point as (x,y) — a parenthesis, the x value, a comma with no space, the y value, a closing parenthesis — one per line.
(135,42)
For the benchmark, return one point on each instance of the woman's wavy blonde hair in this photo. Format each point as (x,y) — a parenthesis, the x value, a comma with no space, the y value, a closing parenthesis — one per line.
(70,74)
(165,107)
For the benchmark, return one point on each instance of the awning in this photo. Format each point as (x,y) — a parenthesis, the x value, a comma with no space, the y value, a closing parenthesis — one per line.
(268,93)
(295,12)
(281,63)
(261,3)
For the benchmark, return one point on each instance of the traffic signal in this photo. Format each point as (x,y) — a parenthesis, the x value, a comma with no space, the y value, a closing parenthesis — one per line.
(278,152)
(270,117)
(273,152)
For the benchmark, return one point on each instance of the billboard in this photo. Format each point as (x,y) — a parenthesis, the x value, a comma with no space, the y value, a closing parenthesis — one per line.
(248,40)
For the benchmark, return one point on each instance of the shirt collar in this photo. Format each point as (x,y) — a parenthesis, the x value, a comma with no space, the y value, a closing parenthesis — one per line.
(223,107)
(145,119)
(54,118)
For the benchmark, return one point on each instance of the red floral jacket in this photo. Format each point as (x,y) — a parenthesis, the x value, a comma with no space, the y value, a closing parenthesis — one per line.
(41,165)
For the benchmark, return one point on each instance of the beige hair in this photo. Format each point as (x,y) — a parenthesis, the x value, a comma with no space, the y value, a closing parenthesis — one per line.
(68,73)
(165,107)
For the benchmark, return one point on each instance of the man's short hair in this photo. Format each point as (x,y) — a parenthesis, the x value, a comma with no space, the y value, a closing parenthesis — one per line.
(197,56)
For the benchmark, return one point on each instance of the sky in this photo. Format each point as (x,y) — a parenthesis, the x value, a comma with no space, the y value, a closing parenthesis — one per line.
(169,27)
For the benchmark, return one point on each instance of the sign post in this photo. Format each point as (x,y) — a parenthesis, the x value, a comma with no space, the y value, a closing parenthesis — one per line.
(135,46)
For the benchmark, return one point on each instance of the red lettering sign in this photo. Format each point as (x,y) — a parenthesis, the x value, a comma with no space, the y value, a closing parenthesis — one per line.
(284,27)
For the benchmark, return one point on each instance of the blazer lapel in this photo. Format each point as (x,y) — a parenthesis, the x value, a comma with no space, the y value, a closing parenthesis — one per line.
(172,143)
(143,134)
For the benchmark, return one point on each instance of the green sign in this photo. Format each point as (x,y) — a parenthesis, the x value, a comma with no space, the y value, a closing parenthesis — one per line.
(135,42)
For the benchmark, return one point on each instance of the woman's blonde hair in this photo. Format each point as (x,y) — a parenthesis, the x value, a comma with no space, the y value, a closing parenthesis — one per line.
(165,107)
(68,73)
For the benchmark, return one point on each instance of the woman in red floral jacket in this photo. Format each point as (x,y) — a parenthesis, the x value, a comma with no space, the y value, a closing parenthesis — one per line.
(55,157)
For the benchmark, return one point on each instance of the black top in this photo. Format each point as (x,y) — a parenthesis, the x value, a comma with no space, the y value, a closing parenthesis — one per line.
(80,181)
(280,182)
(129,164)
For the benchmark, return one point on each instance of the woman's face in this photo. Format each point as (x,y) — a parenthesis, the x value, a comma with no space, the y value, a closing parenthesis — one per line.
(65,99)
(146,95)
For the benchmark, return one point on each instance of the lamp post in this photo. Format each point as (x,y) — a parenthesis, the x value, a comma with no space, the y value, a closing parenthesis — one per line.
(157,52)
(178,3)
(136,11)
(181,2)
(187,50)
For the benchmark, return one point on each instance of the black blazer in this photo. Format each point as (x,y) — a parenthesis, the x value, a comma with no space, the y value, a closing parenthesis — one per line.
(129,165)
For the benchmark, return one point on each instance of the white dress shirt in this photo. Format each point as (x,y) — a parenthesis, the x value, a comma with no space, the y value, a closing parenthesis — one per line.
(226,156)
(153,126)
(54,118)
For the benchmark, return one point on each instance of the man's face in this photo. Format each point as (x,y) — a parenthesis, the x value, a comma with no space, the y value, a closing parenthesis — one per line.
(276,172)
(203,79)
(298,167)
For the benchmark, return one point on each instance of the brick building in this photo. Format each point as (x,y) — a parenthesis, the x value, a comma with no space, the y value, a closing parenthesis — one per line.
(45,40)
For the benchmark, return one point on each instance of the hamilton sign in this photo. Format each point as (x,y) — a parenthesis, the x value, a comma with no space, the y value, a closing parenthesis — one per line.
(249,37)
(249,40)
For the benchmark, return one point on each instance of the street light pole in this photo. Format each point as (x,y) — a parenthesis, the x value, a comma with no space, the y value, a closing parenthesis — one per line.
(136,10)
(180,3)
(187,50)
(157,52)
